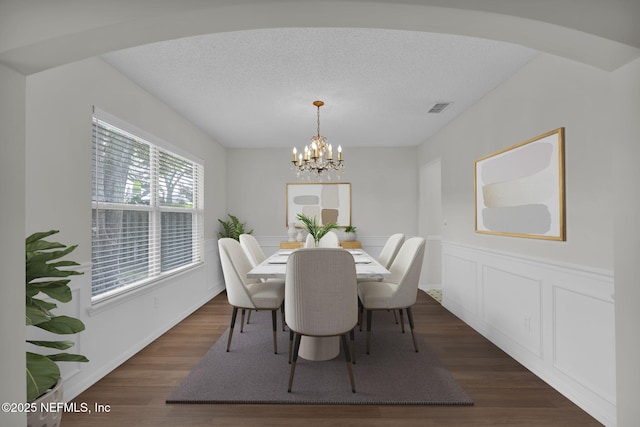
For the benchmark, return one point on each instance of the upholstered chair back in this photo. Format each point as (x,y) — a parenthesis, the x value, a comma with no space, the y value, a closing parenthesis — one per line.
(309,242)
(329,240)
(321,296)
(405,272)
(235,266)
(390,249)
(252,249)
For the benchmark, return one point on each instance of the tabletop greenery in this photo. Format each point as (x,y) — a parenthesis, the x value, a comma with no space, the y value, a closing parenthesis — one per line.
(314,228)
(43,275)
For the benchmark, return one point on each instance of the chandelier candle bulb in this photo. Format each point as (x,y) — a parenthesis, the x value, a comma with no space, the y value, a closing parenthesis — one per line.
(293,159)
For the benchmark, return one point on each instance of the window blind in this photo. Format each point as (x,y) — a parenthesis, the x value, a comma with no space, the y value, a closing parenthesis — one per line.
(147,211)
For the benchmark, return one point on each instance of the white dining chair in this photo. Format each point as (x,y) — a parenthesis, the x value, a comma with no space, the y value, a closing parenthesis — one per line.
(321,299)
(398,292)
(388,253)
(390,249)
(309,242)
(252,248)
(386,257)
(329,240)
(256,255)
(244,293)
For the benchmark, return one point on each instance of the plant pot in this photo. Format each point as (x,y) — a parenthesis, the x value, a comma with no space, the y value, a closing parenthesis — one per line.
(349,236)
(49,418)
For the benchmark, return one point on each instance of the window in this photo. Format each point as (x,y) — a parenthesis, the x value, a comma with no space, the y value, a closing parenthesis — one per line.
(146,211)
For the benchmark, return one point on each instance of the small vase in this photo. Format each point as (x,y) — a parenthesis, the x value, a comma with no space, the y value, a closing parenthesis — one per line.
(291,231)
(300,237)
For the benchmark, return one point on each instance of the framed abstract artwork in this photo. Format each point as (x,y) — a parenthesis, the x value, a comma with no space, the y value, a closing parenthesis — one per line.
(520,191)
(328,202)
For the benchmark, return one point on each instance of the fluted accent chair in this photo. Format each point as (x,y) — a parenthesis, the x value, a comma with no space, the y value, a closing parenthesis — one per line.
(321,299)
(399,291)
(244,293)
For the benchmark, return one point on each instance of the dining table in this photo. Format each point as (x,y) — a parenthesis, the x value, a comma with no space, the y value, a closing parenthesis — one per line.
(275,267)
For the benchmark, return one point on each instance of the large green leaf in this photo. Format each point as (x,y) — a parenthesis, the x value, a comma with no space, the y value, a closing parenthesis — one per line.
(56,289)
(62,325)
(35,237)
(42,374)
(38,266)
(43,305)
(67,357)
(35,315)
(58,345)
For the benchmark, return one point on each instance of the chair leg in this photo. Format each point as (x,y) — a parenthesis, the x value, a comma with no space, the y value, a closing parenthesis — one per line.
(233,322)
(413,334)
(353,344)
(249,316)
(282,314)
(274,323)
(343,338)
(369,330)
(290,343)
(401,320)
(294,359)
(360,309)
(242,320)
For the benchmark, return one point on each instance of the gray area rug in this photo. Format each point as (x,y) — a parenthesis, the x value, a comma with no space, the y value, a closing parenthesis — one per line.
(393,374)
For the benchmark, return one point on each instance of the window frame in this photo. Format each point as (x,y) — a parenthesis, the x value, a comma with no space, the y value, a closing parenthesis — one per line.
(154,208)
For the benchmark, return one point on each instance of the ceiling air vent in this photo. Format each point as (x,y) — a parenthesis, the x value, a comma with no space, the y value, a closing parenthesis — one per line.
(439,107)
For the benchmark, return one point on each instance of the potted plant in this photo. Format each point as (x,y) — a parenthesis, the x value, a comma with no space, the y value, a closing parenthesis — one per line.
(232,228)
(349,233)
(314,228)
(43,275)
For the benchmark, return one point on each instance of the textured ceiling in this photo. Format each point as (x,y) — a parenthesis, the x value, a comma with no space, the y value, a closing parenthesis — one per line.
(256,88)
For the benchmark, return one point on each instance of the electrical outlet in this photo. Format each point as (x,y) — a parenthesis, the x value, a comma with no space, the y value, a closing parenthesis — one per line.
(527,324)
(156,302)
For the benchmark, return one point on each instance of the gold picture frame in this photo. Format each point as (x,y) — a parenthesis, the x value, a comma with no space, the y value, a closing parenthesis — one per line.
(328,201)
(520,191)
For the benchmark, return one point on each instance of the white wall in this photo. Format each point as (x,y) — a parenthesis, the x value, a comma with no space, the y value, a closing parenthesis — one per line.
(430,223)
(548,93)
(383,189)
(58,195)
(486,280)
(625,141)
(12,197)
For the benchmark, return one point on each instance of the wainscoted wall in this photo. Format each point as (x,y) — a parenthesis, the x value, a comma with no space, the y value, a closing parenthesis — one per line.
(556,319)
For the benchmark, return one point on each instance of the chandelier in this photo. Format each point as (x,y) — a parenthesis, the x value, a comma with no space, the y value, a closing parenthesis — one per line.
(317,159)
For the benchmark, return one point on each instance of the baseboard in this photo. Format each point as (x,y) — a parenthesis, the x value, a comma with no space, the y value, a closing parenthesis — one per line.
(73,389)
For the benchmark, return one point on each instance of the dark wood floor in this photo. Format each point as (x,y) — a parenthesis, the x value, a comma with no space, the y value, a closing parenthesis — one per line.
(505,393)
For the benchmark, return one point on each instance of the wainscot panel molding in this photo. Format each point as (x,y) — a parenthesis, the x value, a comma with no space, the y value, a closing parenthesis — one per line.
(117,331)
(556,319)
